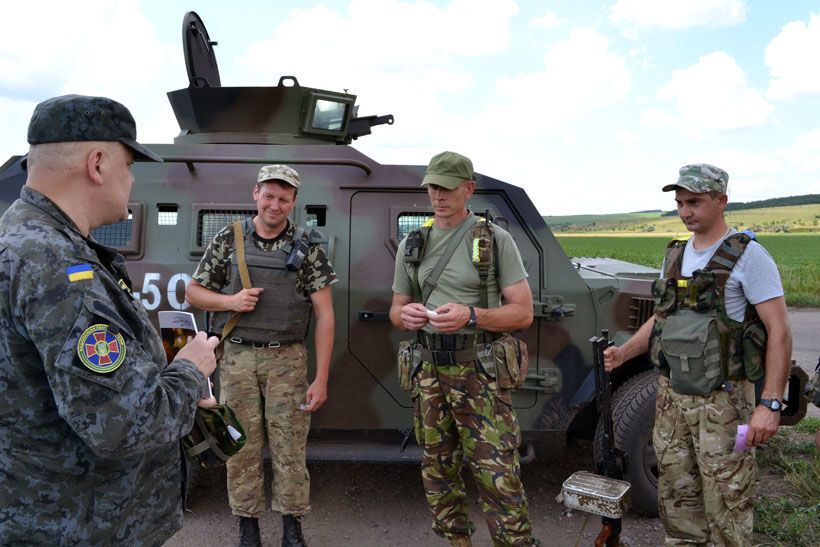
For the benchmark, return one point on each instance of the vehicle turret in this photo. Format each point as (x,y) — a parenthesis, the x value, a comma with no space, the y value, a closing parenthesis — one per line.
(288,113)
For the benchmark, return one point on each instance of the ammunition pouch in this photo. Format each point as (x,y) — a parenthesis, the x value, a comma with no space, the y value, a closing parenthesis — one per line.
(506,360)
(691,348)
(754,339)
(409,361)
(217,435)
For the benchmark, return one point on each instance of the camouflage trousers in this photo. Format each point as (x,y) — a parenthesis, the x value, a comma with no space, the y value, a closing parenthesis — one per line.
(461,416)
(706,490)
(265,387)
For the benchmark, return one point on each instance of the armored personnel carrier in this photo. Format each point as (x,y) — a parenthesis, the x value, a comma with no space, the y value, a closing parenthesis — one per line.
(364,209)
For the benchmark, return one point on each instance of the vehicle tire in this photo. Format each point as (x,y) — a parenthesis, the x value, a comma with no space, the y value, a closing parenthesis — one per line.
(194,476)
(633,412)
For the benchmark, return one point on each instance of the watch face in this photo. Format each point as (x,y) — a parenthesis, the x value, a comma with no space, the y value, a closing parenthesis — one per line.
(775,405)
(771,404)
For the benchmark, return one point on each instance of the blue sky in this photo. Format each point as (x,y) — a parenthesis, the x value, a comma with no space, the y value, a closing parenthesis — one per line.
(589,106)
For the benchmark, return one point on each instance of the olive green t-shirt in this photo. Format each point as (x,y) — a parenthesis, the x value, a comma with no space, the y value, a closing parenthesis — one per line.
(459,282)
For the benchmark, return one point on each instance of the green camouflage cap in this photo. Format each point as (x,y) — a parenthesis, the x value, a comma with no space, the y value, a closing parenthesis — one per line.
(700,178)
(73,118)
(448,169)
(278,172)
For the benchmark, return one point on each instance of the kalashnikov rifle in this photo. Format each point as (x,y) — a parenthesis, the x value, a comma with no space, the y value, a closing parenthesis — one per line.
(611,462)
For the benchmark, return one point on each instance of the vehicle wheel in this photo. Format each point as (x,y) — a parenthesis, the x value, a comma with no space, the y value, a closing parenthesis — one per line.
(194,475)
(633,412)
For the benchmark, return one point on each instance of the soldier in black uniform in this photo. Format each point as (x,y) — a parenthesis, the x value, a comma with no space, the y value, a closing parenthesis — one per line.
(92,411)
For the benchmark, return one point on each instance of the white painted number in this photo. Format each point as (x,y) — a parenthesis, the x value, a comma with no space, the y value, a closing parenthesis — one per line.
(153,290)
(174,287)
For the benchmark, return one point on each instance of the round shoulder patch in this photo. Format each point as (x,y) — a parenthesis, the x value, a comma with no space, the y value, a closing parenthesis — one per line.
(101,350)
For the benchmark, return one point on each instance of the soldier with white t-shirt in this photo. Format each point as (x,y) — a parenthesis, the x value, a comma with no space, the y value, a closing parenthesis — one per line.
(720,325)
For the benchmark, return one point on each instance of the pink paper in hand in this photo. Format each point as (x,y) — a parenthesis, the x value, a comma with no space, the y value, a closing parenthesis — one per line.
(740,440)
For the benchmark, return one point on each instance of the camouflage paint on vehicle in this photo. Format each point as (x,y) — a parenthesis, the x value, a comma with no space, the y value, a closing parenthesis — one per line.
(363,208)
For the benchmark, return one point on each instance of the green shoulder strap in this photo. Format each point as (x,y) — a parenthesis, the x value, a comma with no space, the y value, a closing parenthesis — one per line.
(432,279)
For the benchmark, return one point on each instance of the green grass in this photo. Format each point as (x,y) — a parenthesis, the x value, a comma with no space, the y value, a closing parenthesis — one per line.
(787,510)
(791,218)
(797,257)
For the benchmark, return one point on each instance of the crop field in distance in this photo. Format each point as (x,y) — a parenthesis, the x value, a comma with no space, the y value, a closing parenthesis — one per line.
(797,257)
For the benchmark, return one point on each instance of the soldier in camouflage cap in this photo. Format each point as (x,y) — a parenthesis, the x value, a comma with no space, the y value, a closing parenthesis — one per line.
(93,412)
(720,321)
(263,368)
(699,178)
(463,409)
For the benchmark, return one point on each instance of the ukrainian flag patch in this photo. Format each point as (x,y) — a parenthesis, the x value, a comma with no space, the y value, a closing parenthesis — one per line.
(79,272)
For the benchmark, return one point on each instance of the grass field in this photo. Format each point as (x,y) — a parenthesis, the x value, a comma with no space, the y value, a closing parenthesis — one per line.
(797,257)
(787,506)
(792,219)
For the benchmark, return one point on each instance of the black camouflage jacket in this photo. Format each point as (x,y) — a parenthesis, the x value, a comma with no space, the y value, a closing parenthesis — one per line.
(91,412)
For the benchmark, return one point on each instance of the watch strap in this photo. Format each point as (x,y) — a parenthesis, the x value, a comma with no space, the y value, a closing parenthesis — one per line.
(772,404)
(472,321)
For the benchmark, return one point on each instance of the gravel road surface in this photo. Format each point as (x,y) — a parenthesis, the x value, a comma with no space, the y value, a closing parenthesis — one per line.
(383,504)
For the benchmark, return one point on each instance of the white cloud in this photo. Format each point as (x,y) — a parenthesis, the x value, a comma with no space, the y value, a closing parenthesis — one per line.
(679,13)
(805,153)
(548,20)
(793,60)
(710,95)
(408,67)
(580,73)
(106,48)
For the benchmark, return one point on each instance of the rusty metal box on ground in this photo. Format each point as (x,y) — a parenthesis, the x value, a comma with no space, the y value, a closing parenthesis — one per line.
(596,494)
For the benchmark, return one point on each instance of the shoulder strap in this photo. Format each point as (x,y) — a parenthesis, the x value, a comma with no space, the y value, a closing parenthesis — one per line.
(482,262)
(239,248)
(674,257)
(432,279)
(726,256)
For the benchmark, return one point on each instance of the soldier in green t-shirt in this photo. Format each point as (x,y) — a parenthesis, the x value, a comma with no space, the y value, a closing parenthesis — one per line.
(461,414)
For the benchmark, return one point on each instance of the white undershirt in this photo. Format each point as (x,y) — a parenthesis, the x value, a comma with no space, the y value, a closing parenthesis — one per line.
(754,278)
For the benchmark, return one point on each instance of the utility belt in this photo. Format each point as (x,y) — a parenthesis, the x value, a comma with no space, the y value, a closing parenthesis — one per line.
(450,349)
(503,357)
(255,344)
(454,342)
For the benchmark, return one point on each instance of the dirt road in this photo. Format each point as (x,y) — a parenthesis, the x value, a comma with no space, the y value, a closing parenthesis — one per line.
(369,505)
(383,504)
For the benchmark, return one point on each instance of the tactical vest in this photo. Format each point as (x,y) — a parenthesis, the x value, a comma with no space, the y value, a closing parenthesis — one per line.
(694,341)
(483,253)
(281,314)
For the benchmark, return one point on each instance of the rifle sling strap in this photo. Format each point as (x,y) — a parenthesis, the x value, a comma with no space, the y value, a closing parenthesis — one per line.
(432,279)
(239,244)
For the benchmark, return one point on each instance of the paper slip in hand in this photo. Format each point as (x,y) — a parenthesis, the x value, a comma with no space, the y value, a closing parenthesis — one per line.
(740,440)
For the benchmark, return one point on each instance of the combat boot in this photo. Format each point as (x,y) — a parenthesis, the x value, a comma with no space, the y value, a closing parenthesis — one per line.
(292,532)
(461,541)
(249,532)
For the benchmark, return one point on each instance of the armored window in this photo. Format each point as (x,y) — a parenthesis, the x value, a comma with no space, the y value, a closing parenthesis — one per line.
(329,115)
(209,222)
(125,235)
(115,235)
(315,215)
(167,214)
(407,222)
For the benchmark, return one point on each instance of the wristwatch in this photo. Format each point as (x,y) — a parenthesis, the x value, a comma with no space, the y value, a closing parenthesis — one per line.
(772,404)
(471,323)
